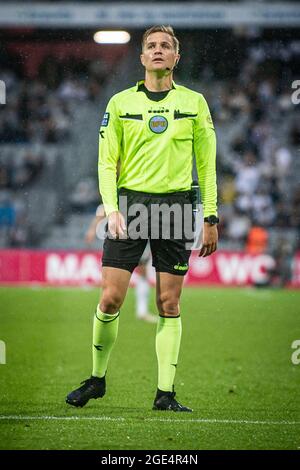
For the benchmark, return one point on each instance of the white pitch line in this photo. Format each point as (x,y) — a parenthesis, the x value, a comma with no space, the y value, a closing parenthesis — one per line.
(225,421)
(59,418)
(108,418)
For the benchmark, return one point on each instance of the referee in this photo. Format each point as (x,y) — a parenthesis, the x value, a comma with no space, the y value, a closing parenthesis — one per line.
(153,130)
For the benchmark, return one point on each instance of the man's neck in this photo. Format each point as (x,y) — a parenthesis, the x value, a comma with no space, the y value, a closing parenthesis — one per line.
(156,83)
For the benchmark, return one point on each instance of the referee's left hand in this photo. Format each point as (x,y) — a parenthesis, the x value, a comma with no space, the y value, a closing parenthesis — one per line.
(210,240)
(116,225)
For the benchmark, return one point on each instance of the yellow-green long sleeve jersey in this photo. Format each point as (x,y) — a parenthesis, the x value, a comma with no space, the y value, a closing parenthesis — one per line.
(154,143)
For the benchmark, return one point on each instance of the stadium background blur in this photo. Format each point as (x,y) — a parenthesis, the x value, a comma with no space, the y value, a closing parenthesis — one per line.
(237,341)
(58,82)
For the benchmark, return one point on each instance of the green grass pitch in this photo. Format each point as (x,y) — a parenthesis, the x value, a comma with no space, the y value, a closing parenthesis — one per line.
(235,371)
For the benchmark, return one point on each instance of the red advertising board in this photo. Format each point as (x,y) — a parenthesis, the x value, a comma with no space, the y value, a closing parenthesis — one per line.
(75,268)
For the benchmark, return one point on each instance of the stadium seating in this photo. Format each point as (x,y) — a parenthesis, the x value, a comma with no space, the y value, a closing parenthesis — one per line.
(56,122)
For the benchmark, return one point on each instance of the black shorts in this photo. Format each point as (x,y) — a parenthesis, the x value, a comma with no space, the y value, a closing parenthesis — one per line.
(170,237)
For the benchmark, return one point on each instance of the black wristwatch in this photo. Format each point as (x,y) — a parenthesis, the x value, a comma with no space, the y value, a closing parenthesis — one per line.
(211,219)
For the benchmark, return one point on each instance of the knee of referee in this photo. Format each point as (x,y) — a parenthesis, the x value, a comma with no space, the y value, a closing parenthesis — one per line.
(168,304)
(110,301)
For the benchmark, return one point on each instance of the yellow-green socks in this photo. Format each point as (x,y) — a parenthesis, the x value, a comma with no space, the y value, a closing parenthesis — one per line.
(105,331)
(168,337)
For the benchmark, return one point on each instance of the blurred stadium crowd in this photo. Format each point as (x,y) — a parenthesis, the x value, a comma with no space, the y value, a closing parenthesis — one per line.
(247,80)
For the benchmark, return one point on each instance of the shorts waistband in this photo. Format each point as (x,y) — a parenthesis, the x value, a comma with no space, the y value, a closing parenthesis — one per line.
(142,193)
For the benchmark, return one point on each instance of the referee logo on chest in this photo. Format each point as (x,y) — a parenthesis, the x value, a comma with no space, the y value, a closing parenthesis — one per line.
(158,124)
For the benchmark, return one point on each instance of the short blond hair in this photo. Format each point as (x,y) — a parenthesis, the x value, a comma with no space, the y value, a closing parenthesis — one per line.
(161,29)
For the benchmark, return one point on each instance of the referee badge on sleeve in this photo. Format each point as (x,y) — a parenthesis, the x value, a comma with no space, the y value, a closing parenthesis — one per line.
(210,121)
(105,120)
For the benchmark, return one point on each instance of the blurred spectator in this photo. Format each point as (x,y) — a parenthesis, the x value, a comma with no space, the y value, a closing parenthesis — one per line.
(257,241)
(295,133)
(282,161)
(85,195)
(238,226)
(281,274)
(282,215)
(7,211)
(247,174)
(263,212)
(72,89)
(4,177)
(21,170)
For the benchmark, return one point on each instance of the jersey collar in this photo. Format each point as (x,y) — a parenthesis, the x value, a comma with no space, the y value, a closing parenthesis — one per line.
(140,82)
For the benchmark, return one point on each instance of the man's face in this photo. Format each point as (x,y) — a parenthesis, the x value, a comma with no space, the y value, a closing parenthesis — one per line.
(159,53)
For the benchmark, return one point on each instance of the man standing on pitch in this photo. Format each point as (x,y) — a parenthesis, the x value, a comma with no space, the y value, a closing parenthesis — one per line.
(153,129)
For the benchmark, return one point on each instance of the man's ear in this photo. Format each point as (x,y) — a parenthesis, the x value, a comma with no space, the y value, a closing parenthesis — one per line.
(142,59)
(177,60)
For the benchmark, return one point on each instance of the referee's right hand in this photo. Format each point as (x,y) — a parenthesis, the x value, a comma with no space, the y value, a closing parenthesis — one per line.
(116,225)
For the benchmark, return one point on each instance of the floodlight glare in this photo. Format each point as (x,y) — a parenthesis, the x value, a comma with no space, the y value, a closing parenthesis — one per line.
(111,37)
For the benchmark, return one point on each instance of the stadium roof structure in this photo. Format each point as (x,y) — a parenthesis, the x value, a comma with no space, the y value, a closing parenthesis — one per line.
(141,15)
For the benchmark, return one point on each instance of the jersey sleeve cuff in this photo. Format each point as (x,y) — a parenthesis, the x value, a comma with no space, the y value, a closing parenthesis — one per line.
(109,209)
(208,212)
